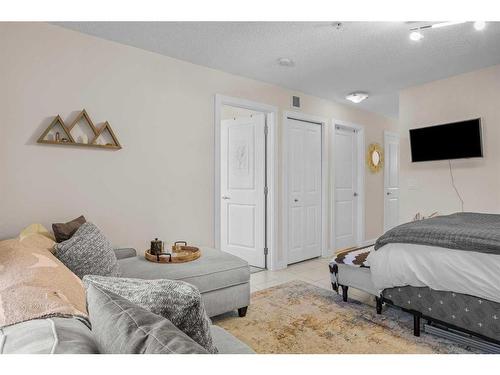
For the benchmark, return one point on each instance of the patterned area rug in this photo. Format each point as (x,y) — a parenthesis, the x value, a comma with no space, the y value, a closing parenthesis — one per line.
(298,317)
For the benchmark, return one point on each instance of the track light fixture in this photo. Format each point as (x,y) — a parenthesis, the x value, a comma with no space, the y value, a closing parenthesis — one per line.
(416,33)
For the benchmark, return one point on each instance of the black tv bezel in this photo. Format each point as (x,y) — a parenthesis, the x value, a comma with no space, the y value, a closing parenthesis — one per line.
(450,123)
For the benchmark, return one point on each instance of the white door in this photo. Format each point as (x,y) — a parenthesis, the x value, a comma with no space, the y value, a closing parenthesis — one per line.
(346,185)
(391,180)
(242,188)
(304,190)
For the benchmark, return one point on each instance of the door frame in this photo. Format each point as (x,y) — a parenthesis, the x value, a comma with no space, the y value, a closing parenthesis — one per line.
(397,135)
(271,113)
(324,180)
(360,225)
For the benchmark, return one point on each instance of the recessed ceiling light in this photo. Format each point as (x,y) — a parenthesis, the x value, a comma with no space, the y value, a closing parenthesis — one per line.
(285,61)
(357,97)
(416,36)
(479,25)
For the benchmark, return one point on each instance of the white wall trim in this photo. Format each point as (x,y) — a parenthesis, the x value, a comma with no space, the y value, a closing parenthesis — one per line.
(392,133)
(272,170)
(360,240)
(325,251)
(388,133)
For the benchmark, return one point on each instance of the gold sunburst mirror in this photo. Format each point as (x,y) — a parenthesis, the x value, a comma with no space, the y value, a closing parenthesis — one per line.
(375,157)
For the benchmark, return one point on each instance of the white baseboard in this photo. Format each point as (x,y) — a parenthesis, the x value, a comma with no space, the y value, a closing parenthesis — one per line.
(326,253)
(278,266)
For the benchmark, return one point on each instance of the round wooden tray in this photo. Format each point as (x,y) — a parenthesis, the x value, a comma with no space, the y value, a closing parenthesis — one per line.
(181,255)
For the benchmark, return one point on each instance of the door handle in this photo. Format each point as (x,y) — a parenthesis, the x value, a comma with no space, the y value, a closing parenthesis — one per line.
(355,194)
(295,200)
(225,197)
(388,193)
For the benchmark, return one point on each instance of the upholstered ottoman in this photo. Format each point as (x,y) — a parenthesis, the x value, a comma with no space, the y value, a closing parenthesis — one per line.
(349,269)
(223,279)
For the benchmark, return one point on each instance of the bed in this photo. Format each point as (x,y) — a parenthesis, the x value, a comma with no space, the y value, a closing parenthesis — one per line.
(445,270)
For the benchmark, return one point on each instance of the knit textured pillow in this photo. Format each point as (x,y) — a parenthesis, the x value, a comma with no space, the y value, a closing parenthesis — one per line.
(177,301)
(88,252)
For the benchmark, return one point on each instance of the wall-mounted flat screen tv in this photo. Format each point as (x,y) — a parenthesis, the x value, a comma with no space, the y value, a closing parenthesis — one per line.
(449,141)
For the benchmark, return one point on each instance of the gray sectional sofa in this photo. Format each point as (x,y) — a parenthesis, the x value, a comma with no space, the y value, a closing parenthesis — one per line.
(72,336)
(223,281)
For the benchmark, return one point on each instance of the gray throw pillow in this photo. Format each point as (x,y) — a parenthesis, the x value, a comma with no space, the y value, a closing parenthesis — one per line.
(88,252)
(177,301)
(120,327)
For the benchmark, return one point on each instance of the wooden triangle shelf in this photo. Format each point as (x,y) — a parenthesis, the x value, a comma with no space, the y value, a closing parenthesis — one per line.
(68,139)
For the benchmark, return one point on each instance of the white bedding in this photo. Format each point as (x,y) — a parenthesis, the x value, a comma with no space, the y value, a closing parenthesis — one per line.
(466,272)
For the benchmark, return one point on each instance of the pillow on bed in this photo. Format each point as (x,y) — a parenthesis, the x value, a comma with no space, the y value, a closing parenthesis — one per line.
(88,252)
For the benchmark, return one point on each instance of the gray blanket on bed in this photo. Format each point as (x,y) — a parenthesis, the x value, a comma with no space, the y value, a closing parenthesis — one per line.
(466,231)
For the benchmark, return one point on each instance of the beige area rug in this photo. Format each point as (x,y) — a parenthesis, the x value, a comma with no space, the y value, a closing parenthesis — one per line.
(298,317)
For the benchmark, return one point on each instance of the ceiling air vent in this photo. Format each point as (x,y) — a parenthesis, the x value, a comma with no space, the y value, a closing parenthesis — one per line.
(295,102)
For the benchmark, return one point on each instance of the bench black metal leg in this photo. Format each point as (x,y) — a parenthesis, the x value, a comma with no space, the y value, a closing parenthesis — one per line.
(344,292)
(416,324)
(379,305)
(335,287)
(242,311)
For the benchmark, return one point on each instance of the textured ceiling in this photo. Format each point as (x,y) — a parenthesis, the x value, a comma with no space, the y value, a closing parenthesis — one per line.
(376,57)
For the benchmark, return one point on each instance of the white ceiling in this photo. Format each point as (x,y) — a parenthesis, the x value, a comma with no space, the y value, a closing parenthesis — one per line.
(376,57)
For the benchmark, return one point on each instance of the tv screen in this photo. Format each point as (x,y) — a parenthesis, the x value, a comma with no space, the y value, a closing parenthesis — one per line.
(450,141)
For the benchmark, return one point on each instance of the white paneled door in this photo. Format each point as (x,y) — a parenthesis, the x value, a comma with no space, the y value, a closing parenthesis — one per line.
(304,190)
(346,183)
(242,188)
(391,180)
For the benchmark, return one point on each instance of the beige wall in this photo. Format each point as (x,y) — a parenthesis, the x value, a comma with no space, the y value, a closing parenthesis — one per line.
(162,109)
(426,187)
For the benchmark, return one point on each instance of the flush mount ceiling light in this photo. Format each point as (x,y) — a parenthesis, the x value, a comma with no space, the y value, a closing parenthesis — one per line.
(285,61)
(416,36)
(357,97)
(479,25)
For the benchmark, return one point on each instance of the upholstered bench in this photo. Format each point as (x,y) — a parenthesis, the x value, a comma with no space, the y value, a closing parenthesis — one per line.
(223,279)
(349,269)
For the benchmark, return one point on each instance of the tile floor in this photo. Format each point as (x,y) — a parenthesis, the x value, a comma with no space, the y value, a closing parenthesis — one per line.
(314,271)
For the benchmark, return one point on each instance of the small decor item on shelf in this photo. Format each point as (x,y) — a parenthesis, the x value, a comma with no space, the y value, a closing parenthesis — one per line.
(375,157)
(58,137)
(83,139)
(156,247)
(65,140)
